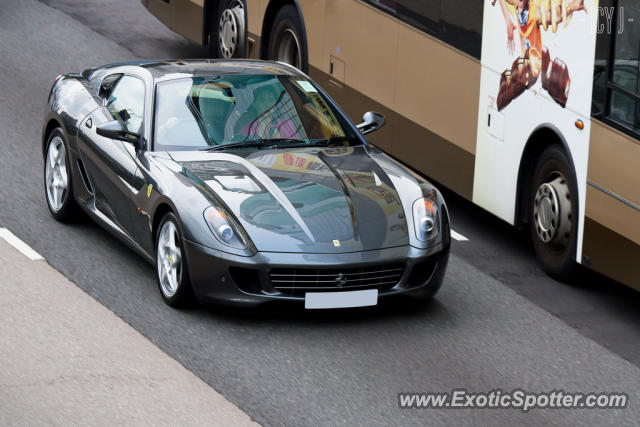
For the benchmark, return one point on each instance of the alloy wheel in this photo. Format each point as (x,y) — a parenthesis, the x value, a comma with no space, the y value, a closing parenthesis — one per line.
(56,177)
(169,259)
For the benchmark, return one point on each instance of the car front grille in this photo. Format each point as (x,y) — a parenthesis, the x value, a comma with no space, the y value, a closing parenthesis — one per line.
(297,281)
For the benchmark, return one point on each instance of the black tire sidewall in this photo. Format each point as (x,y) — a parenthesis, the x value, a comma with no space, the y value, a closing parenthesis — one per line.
(559,265)
(184,294)
(68,209)
(215,36)
(288,17)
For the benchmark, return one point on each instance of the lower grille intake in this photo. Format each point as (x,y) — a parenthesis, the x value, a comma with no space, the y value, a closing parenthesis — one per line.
(297,281)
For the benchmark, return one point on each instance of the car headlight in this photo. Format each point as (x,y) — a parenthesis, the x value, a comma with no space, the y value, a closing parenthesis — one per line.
(224,227)
(426,219)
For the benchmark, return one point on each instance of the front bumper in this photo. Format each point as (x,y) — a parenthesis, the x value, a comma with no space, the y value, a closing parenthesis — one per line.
(221,277)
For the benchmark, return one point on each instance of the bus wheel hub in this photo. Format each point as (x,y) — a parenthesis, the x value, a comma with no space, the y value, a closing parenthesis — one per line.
(231,29)
(552,212)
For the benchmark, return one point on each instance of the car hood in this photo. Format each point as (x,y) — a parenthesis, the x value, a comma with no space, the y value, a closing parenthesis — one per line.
(307,200)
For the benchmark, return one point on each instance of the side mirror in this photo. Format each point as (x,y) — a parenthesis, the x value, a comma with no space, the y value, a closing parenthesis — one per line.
(116,130)
(371,121)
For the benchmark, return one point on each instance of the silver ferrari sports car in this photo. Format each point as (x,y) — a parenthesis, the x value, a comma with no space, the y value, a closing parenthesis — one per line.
(242,182)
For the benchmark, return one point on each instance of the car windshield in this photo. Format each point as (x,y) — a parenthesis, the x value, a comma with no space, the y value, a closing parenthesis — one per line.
(205,112)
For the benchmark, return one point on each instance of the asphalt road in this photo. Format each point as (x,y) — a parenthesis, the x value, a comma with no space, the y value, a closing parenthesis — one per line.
(498,322)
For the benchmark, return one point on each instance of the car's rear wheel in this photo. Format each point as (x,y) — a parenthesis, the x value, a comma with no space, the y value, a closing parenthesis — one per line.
(286,43)
(58,186)
(231,30)
(553,215)
(171,264)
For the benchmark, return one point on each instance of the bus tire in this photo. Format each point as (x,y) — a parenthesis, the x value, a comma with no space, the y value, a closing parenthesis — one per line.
(287,42)
(229,33)
(553,213)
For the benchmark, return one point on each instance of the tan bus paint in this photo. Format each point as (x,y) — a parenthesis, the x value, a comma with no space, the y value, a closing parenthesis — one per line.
(612,229)
(255,14)
(185,17)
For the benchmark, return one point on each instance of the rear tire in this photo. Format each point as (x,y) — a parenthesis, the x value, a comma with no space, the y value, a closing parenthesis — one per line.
(172,271)
(553,214)
(229,34)
(286,39)
(58,179)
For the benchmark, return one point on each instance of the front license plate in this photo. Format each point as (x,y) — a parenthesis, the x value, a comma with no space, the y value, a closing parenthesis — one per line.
(341,299)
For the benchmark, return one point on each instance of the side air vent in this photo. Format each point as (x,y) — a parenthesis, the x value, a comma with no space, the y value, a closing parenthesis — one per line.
(85,177)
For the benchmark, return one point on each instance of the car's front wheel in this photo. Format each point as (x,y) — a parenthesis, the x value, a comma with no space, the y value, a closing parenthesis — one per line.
(171,264)
(58,187)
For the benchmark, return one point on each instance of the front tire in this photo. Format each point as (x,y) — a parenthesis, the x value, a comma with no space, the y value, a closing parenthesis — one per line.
(58,182)
(171,264)
(286,42)
(553,216)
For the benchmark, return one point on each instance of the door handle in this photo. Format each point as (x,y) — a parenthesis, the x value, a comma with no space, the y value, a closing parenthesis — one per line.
(88,123)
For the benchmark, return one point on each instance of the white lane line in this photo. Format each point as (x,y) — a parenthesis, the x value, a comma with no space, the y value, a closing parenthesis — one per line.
(459,237)
(14,241)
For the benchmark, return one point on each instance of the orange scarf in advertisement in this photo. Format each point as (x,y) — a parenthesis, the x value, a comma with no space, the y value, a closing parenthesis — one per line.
(530,35)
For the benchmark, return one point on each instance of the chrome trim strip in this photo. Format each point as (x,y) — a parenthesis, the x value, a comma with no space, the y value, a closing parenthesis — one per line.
(614,195)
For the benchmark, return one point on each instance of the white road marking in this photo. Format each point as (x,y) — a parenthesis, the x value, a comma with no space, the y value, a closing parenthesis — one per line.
(459,237)
(14,241)
(30,253)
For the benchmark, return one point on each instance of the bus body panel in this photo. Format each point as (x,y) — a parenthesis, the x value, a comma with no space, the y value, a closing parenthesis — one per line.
(316,29)
(504,127)
(255,17)
(185,17)
(612,231)
(160,9)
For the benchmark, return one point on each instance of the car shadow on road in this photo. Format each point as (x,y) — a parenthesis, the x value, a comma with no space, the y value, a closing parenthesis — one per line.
(276,312)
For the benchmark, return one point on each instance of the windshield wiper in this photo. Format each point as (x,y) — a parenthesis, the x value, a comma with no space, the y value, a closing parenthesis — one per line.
(264,142)
(332,140)
(241,144)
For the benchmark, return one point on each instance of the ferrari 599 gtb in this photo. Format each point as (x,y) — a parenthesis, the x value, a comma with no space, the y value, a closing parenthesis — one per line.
(242,182)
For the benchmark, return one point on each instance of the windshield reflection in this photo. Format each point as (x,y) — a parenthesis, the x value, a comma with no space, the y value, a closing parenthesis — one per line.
(199,112)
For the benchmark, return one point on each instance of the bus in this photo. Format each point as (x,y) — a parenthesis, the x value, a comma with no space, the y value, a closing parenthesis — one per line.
(528,108)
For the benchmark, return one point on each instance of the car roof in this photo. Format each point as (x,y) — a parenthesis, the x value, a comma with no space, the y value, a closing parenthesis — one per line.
(170,69)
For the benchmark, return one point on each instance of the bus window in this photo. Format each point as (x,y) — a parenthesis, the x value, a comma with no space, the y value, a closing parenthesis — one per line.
(616,88)
(627,47)
(422,14)
(461,25)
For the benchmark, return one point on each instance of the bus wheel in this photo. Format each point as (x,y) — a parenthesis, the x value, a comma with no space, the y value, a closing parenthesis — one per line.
(285,41)
(231,30)
(553,214)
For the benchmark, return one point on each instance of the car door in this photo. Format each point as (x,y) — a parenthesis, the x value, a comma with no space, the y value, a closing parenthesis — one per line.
(110,163)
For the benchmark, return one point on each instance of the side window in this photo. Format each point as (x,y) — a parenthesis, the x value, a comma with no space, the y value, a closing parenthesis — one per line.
(616,92)
(126,102)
